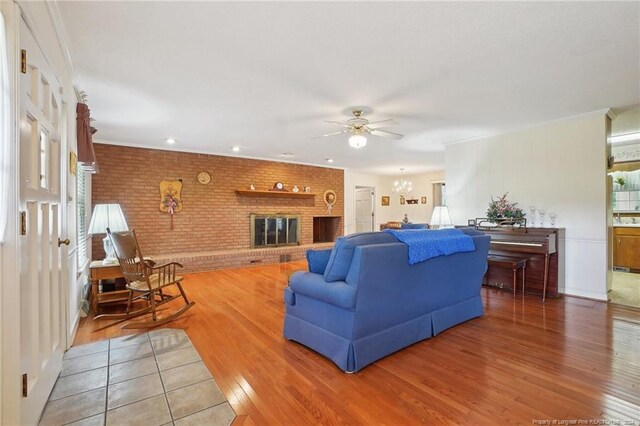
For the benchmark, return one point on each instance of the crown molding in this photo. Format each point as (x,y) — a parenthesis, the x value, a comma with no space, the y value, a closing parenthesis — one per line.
(219,154)
(601,112)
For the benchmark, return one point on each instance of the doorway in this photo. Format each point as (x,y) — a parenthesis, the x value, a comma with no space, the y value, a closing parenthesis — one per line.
(365,214)
(625,199)
(623,180)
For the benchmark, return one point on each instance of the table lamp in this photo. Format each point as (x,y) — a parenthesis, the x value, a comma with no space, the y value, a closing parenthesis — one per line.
(440,218)
(107,216)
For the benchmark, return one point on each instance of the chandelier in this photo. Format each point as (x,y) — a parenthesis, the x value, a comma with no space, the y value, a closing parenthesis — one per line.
(402,186)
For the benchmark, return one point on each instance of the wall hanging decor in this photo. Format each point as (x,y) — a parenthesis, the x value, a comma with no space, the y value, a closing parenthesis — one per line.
(204,178)
(423,200)
(330,199)
(412,201)
(170,198)
(385,200)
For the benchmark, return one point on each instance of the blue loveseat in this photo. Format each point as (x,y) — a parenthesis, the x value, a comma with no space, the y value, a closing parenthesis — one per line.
(370,302)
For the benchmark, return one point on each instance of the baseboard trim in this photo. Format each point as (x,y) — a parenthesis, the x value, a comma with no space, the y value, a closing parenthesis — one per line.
(599,297)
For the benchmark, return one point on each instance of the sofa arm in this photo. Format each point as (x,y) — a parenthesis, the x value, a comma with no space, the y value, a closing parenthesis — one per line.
(336,293)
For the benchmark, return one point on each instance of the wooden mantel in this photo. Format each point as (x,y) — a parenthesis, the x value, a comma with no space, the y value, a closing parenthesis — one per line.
(280,194)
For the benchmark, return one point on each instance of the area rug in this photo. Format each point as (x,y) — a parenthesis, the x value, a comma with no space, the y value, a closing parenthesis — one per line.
(154,378)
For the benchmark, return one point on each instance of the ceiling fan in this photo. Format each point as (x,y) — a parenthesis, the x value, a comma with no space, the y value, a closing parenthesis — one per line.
(359,127)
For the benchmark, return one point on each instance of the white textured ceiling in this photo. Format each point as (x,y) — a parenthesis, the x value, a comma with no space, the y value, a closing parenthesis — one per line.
(265,75)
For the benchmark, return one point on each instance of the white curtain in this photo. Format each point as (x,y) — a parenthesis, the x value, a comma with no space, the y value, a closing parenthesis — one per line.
(5,133)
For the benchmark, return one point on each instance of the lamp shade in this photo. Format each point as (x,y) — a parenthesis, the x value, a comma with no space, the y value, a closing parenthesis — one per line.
(441,218)
(107,216)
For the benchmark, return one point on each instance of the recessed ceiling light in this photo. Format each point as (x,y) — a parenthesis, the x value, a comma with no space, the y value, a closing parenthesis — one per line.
(287,154)
(170,141)
(329,160)
(235,149)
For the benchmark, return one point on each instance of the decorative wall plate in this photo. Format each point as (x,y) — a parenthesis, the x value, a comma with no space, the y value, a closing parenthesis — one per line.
(330,197)
(204,178)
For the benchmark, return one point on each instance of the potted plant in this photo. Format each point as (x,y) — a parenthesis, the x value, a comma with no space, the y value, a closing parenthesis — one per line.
(620,181)
(502,212)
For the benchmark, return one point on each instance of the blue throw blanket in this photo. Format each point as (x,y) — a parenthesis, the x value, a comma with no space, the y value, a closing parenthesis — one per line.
(427,243)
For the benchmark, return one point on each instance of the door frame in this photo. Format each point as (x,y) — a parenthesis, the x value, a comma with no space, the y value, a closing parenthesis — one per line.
(373,205)
(10,361)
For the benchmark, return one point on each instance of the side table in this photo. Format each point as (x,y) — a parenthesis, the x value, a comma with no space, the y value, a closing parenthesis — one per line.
(101,271)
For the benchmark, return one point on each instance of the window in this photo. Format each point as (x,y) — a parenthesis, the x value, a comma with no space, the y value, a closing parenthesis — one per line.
(439,194)
(82,212)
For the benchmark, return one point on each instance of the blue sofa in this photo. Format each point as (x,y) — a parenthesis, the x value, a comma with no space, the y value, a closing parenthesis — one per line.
(370,302)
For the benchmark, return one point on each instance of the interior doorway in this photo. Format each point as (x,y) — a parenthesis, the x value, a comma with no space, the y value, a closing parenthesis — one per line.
(625,199)
(365,214)
(624,186)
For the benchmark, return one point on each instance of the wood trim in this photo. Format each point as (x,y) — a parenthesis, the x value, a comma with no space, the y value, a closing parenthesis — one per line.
(274,194)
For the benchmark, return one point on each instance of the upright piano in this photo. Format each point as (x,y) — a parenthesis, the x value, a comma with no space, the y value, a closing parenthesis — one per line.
(544,250)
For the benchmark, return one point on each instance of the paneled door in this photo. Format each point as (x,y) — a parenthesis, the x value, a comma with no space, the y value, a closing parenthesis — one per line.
(364,209)
(43,274)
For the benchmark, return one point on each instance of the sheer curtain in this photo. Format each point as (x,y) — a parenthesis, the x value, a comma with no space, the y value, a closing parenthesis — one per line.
(5,133)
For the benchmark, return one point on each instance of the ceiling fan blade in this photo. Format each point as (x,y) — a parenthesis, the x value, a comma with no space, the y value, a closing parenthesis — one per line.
(331,134)
(338,123)
(385,134)
(387,121)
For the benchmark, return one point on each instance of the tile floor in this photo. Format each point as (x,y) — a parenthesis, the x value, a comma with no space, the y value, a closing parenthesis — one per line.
(154,378)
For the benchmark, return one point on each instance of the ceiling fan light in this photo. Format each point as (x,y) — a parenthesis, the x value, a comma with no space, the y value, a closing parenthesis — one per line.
(357,141)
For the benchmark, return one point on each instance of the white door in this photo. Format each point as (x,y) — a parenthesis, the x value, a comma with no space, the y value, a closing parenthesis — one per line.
(43,277)
(364,209)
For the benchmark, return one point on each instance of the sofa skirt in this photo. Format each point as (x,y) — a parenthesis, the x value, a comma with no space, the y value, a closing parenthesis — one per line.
(336,348)
(449,316)
(353,356)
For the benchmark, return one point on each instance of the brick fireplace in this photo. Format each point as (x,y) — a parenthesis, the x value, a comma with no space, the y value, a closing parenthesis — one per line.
(215,218)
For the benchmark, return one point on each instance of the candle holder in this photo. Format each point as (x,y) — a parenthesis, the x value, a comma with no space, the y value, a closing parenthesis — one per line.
(541,217)
(532,210)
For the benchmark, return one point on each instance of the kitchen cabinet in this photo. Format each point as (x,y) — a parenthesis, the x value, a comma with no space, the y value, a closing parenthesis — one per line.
(626,247)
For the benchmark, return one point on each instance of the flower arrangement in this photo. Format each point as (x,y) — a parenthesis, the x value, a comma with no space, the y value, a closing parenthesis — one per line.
(170,203)
(501,208)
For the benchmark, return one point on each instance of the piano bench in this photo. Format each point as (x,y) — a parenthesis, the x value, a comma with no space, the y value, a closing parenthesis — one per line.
(508,262)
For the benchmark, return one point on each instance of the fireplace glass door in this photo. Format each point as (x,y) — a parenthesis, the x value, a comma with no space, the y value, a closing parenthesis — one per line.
(274,230)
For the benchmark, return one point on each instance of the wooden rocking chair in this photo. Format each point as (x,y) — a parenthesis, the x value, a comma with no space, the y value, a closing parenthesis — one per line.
(145,279)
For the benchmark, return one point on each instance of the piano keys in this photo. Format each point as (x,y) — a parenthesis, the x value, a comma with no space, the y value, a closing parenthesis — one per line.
(542,247)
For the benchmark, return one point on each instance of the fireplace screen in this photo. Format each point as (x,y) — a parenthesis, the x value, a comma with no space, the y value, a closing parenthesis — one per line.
(274,230)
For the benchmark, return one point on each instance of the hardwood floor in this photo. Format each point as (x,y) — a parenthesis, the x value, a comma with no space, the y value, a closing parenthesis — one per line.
(569,358)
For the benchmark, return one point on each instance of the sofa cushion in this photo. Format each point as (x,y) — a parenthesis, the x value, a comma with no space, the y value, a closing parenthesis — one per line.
(342,253)
(317,260)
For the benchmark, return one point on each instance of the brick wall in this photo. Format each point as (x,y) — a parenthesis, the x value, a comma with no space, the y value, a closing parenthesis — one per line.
(214,217)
